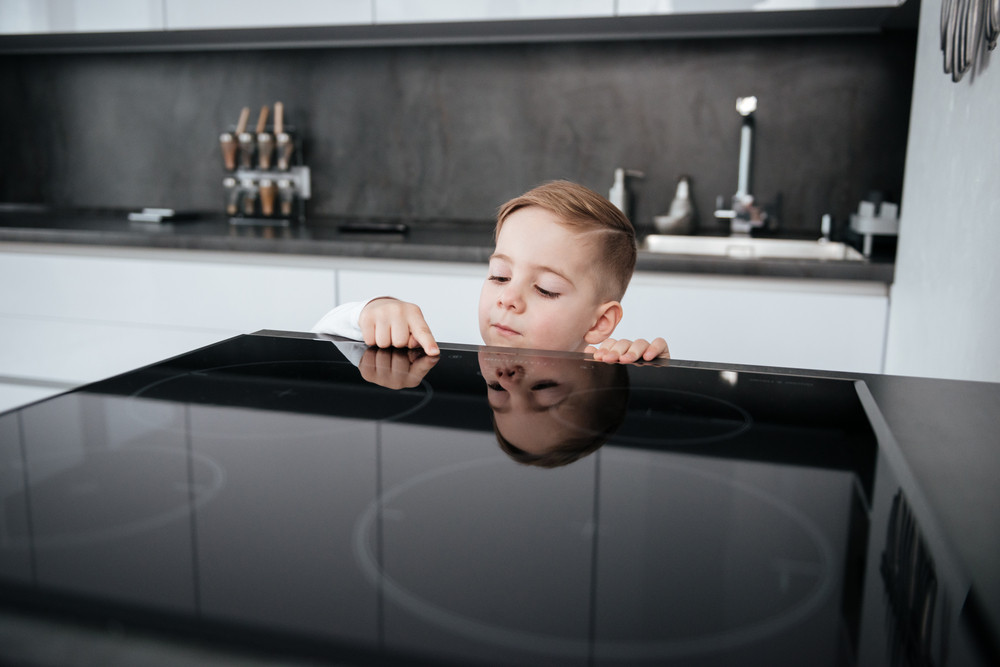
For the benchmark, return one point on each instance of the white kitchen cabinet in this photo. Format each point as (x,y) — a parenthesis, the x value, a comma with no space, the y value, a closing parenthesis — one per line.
(32,16)
(448,294)
(222,14)
(75,315)
(407,11)
(812,324)
(639,7)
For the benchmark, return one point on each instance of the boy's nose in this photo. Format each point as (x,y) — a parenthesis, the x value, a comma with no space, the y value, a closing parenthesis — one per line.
(510,297)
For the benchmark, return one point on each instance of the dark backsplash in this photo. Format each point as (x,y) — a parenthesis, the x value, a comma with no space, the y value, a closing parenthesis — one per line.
(453,131)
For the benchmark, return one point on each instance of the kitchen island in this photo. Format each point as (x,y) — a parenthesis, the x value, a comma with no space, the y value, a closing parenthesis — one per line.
(305,498)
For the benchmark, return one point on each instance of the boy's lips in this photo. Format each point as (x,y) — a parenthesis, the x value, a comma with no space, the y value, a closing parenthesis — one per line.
(505,331)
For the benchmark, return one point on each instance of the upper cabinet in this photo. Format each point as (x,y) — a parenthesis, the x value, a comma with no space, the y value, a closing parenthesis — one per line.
(224,14)
(139,25)
(641,7)
(20,17)
(407,11)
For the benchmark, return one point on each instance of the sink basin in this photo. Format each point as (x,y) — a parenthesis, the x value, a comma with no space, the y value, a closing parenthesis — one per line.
(751,248)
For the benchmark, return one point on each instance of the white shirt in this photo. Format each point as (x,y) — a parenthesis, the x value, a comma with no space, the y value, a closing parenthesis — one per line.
(344,320)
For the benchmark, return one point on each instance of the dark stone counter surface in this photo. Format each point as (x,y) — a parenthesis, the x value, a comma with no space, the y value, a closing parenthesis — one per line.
(426,240)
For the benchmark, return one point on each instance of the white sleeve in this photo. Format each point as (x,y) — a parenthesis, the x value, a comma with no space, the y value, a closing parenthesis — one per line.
(342,321)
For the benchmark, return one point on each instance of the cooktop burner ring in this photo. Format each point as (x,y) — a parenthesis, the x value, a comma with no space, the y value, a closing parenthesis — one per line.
(620,650)
(422,394)
(190,495)
(729,420)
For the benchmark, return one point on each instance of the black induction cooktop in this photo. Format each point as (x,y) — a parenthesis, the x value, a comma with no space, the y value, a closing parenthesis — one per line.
(310,497)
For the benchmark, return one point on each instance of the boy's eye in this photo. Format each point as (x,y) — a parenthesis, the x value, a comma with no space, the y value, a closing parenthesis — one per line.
(499,279)
(544,384)
(546,293)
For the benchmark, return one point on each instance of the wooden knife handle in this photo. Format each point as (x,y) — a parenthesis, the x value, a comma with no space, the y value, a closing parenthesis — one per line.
(241,126)
(262,119)
(279,118)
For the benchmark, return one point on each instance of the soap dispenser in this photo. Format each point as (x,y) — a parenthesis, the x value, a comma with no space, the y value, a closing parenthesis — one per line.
(680,218)
(618,194)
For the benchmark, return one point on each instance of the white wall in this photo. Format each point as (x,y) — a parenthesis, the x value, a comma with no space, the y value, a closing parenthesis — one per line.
(944,316)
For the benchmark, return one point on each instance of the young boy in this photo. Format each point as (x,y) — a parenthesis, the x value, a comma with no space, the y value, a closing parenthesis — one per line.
(564,256)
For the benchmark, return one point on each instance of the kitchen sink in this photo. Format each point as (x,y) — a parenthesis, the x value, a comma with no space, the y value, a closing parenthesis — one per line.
(751,248)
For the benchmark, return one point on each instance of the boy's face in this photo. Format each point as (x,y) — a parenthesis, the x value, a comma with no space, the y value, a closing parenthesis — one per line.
(542,290)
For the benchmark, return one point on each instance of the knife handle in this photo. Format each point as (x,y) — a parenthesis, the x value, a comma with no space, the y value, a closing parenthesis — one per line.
(262,119)
(267,196)
(241,126)
(279,118)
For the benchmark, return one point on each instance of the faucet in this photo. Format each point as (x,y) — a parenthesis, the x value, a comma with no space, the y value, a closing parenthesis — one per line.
(743,214)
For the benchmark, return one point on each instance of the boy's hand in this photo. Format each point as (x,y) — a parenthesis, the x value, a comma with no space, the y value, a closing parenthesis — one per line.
(389,322)
(626,351)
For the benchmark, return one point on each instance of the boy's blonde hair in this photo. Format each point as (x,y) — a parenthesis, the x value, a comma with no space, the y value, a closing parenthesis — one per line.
(582,210)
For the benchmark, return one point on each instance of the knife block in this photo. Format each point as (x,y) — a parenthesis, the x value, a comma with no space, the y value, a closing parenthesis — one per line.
(267,181)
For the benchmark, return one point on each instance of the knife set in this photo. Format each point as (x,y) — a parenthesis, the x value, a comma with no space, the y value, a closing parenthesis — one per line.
(267,182)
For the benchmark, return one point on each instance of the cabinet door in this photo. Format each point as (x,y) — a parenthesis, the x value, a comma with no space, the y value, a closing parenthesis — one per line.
(627,7)
(31,16)
(767,322)
(218,14)
(407,11)
(153,290)
(449,301)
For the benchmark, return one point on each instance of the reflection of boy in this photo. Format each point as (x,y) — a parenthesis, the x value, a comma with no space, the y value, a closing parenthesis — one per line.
(551,411)
(564,256)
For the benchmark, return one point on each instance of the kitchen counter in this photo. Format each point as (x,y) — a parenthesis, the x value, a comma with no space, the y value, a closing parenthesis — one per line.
(937,445)
(425,240)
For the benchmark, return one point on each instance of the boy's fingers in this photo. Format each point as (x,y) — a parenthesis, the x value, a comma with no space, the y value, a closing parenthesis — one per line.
(425,339)
(658,348)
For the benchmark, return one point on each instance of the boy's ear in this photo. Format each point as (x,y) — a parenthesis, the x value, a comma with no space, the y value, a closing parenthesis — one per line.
(608,316)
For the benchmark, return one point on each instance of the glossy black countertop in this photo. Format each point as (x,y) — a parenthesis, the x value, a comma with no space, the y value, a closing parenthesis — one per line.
(427,240)
(288,497)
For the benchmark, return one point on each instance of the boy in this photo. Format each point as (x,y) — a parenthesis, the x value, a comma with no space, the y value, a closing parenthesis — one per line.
(564,256)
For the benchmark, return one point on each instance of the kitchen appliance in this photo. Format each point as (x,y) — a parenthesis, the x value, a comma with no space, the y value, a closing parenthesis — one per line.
(310,497)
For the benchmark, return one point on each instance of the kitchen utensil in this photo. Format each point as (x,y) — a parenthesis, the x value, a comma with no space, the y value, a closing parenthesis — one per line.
(232,195)
(227,141)
(244,139)
(286,195)
(249,196)
(268,191)
(265,140)
(992,23)
(282,139)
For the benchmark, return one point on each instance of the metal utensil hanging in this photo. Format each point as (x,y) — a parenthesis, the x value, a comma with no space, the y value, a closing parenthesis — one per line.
(964,25)
(992,23)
